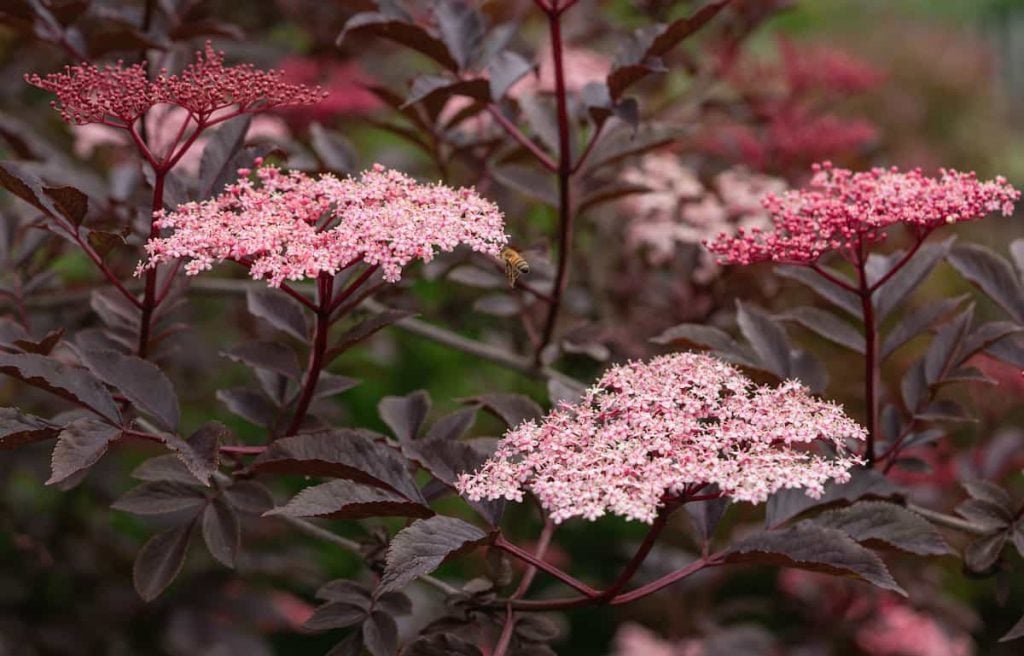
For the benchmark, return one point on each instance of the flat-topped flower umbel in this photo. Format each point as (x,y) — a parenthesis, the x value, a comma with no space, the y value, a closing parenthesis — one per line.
(293,226)
(844,211)
(118,96)
(651,429)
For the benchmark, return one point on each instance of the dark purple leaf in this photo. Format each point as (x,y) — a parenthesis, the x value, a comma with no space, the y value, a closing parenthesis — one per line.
(201,451)
(641,53)
(864,483)
(981,555)
(811,547)
(380,634)
(340,453)
(708,337)
(394,603)
(17,429)
(405,415)
(987,516)
(335,615)
(826,325)
(945,346)
(249,405)
(366,328)
(451,427)
(886,523)
(536,629)
(347,591)
(349,500)
(623,142)
(215,167)
(986,335)
(161,498)
(139,380)
(767,338)
(221,531)
(505,70)
(351,645)
(23,183)
(160,560)
(70,202)
(280,311)
(706,515)
(988,492)
(916,321)
(401,31)
(421,547)
(441,644)
(913,386)
(1017,631)
(249,497)
(114,309)
(895,290)
(270,356)
(74,384)
(331,385)
(513,409)
(165,468)
(498,305)
(462,30)
(831,292)
(527,181)
(992,274)
(79,446)
(333,150)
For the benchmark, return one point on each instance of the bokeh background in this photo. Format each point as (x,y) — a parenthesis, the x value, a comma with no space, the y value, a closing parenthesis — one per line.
(941,84)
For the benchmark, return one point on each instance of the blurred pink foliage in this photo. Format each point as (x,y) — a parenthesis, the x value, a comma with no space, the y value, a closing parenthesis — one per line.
(343,82)
(678,209)
(788,105)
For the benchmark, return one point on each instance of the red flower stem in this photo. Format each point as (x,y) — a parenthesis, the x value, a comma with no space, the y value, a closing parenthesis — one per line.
(527,557)
(625,598)
(298,296)
(899,265)
(871,369)
(91,253)
(839,282)
(522,139)
(565,214)
(149,295)
(543,542)
(324,285)
(352,288)
(641,554)
(594,138)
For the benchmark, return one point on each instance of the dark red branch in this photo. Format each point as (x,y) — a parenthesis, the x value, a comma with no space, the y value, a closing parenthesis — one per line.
(317,351)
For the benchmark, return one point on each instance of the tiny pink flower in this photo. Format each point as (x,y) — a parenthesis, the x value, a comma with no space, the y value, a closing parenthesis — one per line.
(651,429)
(293,226)
(841,210)
(118,95)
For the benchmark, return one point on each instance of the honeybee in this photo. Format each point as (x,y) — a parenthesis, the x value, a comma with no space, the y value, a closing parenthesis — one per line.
(515,264)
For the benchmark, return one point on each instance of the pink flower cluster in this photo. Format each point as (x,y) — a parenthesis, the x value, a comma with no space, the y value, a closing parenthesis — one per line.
(840,210)
(648,430)
(119,95)
(679,209)
(292,226)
